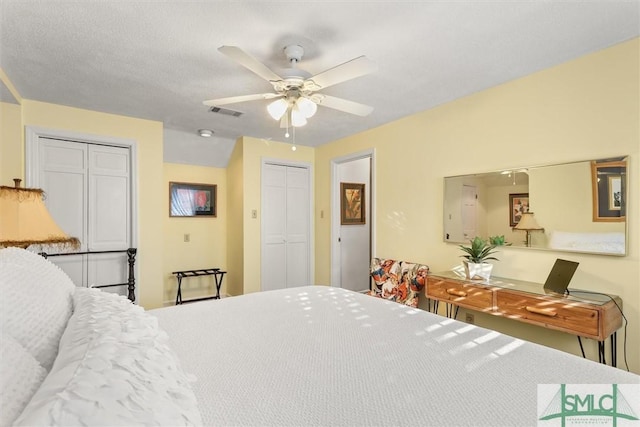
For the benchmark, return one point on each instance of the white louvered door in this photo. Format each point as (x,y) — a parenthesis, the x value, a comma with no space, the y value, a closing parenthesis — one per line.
(87,189)
(285,227)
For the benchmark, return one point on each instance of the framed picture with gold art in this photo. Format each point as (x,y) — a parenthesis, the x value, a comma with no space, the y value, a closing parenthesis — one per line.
(352,203)
(519,204)
(608,183)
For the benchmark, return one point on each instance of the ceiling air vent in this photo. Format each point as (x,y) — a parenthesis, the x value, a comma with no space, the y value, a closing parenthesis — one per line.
(225,111)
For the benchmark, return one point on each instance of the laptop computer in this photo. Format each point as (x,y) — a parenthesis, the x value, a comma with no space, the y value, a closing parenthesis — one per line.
(558,280)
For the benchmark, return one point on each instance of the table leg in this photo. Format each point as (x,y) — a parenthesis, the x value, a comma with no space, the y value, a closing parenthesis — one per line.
(179,293)
(452,311)
(614,349)
(219,277)
(581,347)
(601,353)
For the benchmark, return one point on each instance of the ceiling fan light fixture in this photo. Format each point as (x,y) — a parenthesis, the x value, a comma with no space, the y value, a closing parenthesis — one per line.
(297,118)
(307,107)
(277,108)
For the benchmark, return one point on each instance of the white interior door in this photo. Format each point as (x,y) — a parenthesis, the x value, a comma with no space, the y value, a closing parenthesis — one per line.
(89,196)
(297,226)
(63,177)
(109,198)
(355,239)
(286,226)
(274,226)
(469,211)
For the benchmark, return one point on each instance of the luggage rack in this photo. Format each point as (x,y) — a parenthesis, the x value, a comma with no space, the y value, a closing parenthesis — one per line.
(217,274)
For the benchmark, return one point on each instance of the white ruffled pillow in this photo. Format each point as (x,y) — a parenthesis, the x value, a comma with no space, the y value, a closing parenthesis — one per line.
(36,302)
(20,377)
(114,368)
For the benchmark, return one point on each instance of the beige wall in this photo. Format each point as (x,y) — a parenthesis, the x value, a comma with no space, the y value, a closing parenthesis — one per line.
(148,137)
(586,108)
(207,246)
(235,221)
(11,146)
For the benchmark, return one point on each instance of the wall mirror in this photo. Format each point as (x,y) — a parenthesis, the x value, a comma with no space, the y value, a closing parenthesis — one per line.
(576,207)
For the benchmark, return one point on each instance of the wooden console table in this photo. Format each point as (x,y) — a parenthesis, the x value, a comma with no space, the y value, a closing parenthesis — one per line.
(584,314)
(217,274)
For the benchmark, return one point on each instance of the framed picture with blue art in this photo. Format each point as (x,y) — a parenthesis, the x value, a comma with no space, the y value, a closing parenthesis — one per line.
(609,182)
(188,200)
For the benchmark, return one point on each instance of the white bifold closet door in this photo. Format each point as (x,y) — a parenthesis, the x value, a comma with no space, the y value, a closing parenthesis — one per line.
(87,189)
(286,227)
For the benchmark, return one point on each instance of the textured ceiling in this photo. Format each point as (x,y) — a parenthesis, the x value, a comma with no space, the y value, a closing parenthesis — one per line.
(158,59)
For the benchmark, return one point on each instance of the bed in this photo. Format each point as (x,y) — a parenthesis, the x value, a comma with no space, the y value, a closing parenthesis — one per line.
(312,355)
(610,243)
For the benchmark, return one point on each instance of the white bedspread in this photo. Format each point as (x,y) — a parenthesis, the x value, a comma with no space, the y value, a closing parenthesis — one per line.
(326,356)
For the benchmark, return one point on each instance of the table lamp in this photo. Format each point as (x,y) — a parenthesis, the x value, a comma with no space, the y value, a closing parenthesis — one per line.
(528,223)
(25,220)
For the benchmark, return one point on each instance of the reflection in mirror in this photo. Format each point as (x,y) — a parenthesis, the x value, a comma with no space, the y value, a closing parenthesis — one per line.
(577,207)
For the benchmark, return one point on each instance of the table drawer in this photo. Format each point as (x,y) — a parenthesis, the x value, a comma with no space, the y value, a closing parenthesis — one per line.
(462,294)
(566,316)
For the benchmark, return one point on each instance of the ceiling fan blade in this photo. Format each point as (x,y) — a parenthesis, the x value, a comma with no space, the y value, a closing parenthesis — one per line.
(249,62)
(243,98)
(342,105)
(349,70)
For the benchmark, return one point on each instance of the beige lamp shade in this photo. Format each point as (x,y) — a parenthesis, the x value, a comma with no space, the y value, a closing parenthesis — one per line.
(25,220)
(528,222)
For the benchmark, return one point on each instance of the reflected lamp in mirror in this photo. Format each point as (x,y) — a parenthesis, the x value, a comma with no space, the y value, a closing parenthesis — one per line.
(528,223)
(25,220)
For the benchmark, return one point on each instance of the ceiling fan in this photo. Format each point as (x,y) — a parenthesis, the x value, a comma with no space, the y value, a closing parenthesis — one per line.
(297,90)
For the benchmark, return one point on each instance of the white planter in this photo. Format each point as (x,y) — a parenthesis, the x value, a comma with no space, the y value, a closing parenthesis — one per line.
(477,271)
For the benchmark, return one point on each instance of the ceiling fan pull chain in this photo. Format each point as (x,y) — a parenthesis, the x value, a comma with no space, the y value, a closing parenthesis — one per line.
(293,147)
(287,118)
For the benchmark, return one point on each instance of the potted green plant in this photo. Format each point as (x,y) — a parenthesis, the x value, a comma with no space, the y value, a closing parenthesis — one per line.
(478,253)
(498,241)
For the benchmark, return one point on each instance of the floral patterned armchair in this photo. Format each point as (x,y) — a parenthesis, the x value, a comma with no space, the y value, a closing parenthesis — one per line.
(398,281)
